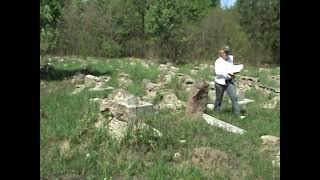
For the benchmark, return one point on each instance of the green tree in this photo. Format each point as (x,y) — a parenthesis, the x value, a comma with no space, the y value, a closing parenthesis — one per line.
(261,20)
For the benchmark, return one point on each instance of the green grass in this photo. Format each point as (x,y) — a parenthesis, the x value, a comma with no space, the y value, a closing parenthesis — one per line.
(94,154)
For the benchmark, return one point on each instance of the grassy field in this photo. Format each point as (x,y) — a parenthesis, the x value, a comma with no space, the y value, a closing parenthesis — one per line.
(72,147)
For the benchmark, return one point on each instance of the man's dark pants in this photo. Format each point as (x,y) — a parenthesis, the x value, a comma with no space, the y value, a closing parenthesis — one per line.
(231,91)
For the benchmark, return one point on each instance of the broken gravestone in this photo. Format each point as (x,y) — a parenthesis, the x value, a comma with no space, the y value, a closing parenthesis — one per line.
(124,106)
(198,98)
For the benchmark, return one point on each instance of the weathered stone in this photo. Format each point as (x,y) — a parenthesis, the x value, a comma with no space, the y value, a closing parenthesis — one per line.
(90,80)
(210,106)
(168,78)
(193,72)
(64,146)
(177,157)
(142,125)
(151,87)
(198,98)
(117,128)
(99,88)
(268,140)
(203,66)
(245,101)
(170,101)
(78,89)
(78,79)
(124,97)
(101,121)
(124,106)
(211,85)
(211,95)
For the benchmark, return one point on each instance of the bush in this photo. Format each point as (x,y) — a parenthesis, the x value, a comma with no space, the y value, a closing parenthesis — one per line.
(111,49)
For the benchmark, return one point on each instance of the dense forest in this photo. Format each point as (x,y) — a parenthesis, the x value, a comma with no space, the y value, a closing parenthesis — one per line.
(178,30)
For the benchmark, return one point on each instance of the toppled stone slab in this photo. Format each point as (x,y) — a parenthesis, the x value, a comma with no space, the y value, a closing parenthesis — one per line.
(99,88)
(216,122)
(245,101)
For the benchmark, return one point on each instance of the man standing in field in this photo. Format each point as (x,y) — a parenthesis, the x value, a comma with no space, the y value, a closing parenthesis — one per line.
(224,70)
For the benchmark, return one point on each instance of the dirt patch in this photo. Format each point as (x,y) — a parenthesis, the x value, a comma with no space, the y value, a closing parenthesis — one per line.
(64,146)
(216,162)
(64,177)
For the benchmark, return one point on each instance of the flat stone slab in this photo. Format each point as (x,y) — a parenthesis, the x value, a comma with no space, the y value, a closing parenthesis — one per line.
(216,122)
(101,88)
(245,101)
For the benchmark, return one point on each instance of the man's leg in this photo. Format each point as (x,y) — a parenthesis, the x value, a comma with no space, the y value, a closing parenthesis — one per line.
(219,95)
(231,90)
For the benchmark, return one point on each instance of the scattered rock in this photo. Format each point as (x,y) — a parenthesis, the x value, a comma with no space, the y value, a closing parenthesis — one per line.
(210,106)
(90,80)
(117,128)
(102,121)
(170,101)
(270,146)
(211,95)
(123,96)
(211,85)
(186,82)
(193,72)
(78,79)
(177,157)
(124,79)
(272,103)
(151,87)
(168,78)
(140,126)
(203,66)
(268,140)
(78,89)
(198,98)
(64,146)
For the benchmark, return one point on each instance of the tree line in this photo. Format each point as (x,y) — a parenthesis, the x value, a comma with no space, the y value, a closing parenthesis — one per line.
(177,30)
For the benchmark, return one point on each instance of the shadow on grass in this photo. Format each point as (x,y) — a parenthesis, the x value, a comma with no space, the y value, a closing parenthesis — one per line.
(50,73)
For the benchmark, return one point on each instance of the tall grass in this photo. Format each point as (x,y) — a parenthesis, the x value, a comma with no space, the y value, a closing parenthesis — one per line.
(94,154)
